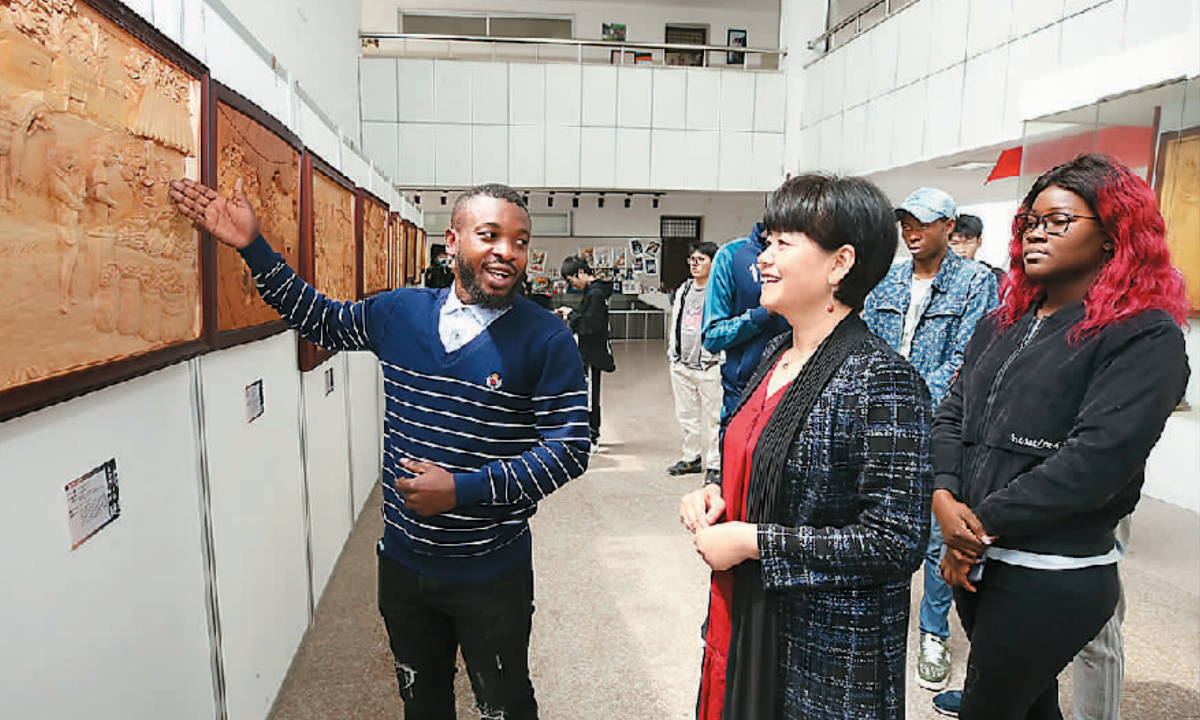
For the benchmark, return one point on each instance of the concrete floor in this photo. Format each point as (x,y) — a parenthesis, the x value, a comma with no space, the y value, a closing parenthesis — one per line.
(621,594)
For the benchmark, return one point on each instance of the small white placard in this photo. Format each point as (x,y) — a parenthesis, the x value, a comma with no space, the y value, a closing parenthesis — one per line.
(93,501)
(254,401)
(328,381)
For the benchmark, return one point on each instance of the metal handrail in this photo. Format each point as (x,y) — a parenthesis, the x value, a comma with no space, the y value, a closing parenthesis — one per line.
(816,42)
(611,44)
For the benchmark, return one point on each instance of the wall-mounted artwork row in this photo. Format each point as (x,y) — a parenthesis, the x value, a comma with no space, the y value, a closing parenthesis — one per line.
(251,146)
(329,257)
(395,250)
(100,278)
(371,219)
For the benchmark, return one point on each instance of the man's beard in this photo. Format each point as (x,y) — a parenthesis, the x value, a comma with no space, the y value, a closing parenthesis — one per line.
(479,296)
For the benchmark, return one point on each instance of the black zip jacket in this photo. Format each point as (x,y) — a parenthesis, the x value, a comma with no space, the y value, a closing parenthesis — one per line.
(1046,441)
(590,323)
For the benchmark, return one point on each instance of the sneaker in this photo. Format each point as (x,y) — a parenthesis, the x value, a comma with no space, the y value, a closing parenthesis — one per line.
(933,663)
(712,476)
(683,467)
(948,703)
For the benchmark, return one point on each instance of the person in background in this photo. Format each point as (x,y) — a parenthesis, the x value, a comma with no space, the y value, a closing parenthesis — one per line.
(1092,317)
(485,417)
(695,372)
(967,238)
(590,325)
(438,275)
(822,513)
(734,323)
(926,309)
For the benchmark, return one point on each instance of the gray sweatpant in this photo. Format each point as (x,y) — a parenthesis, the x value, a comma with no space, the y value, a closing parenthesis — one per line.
(1099,668)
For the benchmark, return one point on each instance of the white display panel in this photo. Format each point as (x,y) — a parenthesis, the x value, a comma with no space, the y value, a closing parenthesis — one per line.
(123,616)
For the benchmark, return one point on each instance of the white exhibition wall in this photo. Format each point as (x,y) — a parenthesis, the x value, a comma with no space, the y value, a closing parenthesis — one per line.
(457,123)
(193,601)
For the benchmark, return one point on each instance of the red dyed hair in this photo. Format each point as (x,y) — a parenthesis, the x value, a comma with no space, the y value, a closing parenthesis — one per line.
(1139,276)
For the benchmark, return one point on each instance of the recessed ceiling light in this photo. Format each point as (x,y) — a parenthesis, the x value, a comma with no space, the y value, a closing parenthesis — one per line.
(971,165)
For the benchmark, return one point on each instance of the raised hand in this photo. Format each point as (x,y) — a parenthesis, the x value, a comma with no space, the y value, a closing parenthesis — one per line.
(232,221)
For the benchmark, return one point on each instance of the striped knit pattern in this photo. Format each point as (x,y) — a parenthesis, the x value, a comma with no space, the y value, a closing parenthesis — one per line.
(506,414)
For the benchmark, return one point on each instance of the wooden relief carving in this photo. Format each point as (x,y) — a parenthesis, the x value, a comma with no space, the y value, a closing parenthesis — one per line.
(269,168)
(375,247)
(422,253)
(395,251)
(95,264)
(410,251)
(334,252)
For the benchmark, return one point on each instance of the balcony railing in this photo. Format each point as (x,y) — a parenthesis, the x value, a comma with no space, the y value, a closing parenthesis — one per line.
(602,52)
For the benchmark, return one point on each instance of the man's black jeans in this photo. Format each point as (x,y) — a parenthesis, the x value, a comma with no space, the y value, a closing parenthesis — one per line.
(428,620)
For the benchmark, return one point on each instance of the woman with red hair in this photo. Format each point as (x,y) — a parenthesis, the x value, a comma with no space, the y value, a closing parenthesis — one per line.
(1040,446)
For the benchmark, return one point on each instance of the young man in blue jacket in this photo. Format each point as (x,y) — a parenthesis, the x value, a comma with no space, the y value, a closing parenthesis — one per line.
(926,309)
(734,322)
(486,415)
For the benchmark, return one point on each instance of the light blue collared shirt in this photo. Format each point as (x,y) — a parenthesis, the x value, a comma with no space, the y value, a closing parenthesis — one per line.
(459,324)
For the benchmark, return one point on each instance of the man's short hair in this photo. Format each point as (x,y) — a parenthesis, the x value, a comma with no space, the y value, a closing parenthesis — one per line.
(573,264)
(969,226)
(492,190)
(708,248)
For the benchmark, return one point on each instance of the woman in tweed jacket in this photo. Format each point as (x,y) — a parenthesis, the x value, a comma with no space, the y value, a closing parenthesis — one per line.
(824,510)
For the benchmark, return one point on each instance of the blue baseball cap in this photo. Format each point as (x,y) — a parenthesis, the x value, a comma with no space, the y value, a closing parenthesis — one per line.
(928,204)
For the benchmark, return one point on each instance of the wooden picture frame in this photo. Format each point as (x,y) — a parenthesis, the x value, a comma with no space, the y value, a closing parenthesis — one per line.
(248,143)
(395,250)
(422,253)
(1170,169)
(410,252)
(329,250)
(371,222)
(102,279)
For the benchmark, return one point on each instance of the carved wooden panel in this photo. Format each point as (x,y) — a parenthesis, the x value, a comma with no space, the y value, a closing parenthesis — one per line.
(335,261)
(395,251)
(410,252)
(269,168)
(422,253)
(1179,199)
(96,266)
(374,244)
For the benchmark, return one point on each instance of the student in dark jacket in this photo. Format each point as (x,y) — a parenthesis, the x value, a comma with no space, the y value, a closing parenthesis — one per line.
(590,325)
(1040,446)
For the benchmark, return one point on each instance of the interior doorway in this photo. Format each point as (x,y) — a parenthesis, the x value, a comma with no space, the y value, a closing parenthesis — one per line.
(677,232)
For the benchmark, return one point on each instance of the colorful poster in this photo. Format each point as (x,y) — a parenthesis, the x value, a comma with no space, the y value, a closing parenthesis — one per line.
(603,256)
(587,254)
(651,266)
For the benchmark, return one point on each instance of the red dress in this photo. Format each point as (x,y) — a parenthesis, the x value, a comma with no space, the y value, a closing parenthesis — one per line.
(737,456)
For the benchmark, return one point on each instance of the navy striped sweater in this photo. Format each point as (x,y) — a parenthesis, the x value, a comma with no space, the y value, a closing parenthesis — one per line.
(506,414)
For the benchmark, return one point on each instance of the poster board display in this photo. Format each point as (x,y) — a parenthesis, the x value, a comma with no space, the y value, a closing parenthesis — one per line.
(100,277)
(329,257)
(371,226)
(250,145)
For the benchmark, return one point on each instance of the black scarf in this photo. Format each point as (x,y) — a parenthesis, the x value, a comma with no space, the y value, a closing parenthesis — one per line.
(753,668)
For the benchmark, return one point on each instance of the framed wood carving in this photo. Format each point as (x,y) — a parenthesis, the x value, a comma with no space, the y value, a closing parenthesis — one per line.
(250,145)
(410,251)
(395,251)
(371,225)
(422,253)
(100,277)
(329,258)
(1178,185)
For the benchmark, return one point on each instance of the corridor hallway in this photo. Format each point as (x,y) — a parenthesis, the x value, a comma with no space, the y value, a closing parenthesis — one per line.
(621,595)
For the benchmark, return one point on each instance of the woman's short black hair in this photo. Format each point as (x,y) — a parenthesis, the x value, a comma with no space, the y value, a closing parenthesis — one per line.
(834,211)
(572,264)
(708,248)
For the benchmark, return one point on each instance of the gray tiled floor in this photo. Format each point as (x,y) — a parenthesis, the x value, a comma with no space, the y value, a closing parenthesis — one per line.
(621,594)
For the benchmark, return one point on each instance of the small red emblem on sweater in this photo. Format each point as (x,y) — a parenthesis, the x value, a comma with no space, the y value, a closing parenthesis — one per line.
(494,381)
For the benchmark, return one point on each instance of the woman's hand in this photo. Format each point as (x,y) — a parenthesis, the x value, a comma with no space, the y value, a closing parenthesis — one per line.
(728,544)
(955,567)
(961,530)
(701,508)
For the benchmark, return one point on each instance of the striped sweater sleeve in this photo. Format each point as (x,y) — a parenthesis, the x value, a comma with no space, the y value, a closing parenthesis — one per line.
(332,324)
(561,451)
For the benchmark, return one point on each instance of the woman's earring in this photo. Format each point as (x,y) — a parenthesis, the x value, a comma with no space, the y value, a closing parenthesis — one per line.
(829,308)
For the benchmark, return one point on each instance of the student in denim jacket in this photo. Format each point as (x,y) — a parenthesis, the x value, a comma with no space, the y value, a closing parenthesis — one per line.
(926,309)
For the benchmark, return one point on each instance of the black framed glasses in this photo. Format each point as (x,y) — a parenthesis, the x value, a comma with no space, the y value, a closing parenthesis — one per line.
(697,259)
(1055,223)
